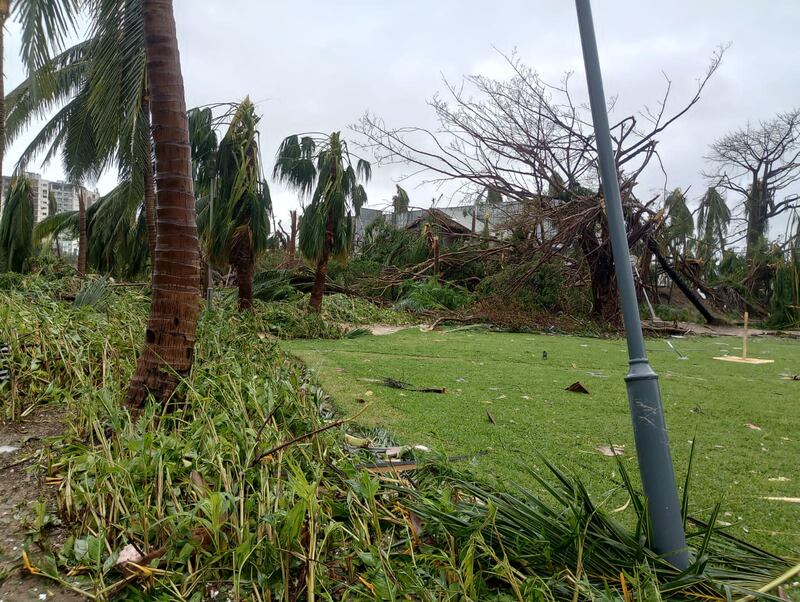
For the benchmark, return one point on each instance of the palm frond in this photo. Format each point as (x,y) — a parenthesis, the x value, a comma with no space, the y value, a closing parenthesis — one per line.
(16,226)
(65,223)
(45,25)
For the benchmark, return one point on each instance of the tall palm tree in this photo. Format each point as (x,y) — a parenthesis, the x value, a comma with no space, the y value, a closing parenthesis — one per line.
(82,239)
(400,203)
(4,11)
(16,225)
(323,169)
(238,230)
(170,335)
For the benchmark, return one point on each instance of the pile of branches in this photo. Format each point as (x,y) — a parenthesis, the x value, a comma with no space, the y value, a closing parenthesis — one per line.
(529,141)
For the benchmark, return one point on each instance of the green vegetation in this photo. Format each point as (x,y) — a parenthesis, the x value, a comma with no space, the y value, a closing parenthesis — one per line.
(504,375)
(243,484)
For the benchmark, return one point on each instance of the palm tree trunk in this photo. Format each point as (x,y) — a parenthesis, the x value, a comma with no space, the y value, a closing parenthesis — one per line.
(243,261)
(4,8)
(293,235)
(170,335)
(81,232)
(149,196)
(318,289)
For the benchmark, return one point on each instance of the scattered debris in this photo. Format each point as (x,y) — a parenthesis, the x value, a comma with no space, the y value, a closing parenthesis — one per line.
(611,450)
(544,355)
(399,384)
(129,554)
(490,417)
(790,500)
(752,426)
(577,387)
(356,441)
(778,479)
(7,449)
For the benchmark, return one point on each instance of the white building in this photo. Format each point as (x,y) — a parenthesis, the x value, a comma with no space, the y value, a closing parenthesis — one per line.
(65,195)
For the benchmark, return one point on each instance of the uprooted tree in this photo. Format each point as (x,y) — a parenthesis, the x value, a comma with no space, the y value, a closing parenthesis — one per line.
(532,142)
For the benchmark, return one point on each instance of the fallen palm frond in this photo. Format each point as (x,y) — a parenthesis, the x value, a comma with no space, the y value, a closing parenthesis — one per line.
(182,490)
(393,383)
(92,294)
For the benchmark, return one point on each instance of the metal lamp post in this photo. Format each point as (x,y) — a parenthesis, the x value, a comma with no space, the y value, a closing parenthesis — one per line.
(644,397)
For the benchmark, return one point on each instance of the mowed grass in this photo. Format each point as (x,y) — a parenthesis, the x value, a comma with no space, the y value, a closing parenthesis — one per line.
(746,417)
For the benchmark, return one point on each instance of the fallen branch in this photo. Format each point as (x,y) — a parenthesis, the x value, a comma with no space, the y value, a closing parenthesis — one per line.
(399,384)
(306,436)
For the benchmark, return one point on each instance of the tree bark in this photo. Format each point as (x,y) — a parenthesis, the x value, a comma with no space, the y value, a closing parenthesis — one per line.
(756,209)
(149,196)
(688,292)
(293,234)
(81,232)
(168,349)
(318,288)
(4,9)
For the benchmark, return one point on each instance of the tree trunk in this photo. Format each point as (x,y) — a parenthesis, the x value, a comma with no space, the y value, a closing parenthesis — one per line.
(688,292)
(436,254)
(293,234)
(149,196)
(318,289)
(756,210)
(81,232)
(168,349)
(605,295)
(243,261)
(4,8)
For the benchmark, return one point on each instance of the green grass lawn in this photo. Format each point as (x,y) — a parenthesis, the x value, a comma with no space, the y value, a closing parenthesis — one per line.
(505,375)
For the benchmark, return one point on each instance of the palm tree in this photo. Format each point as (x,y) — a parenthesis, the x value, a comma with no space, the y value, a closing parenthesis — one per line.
(115,232)
(400,203)
(170,335)
(4,10)
(713,218)
(323,169)
(94,99)
(238,229)
(681,223)
(82,240)
(16,225)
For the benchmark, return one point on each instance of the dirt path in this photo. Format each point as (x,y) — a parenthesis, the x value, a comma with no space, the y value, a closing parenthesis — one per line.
(734,331)
(21,487)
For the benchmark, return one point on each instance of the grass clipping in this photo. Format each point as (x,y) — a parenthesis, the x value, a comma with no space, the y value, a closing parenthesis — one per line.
(187,503)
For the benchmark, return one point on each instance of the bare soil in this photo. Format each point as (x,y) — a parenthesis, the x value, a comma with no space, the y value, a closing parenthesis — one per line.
(21,486)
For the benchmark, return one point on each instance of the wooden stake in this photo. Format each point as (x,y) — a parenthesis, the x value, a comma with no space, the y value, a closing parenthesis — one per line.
(744,338)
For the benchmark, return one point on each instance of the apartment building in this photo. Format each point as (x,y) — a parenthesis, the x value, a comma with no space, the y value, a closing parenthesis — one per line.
(65,195)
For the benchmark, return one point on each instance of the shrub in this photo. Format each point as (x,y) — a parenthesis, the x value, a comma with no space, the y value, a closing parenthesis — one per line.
(431,295)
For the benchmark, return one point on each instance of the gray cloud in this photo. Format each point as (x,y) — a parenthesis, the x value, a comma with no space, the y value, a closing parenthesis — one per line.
(318,65)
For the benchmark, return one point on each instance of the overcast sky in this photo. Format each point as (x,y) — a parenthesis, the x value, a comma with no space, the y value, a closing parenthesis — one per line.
(318,65)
